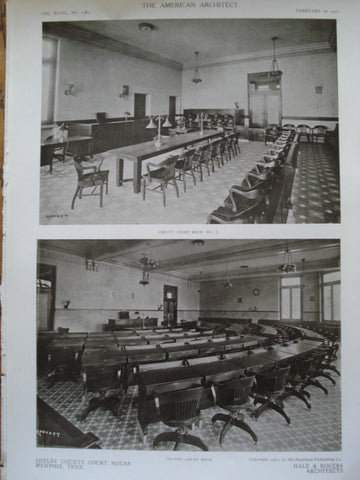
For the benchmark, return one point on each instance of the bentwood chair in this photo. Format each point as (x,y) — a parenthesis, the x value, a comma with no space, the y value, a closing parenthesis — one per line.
(270,385)
(159,176)
(319,133)
(185,166)
(94,179)
(179,409)
(233,395)
(305,132)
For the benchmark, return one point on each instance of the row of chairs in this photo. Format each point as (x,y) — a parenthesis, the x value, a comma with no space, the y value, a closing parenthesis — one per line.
(248,202)
(179,167)
(269,388)
(306,133)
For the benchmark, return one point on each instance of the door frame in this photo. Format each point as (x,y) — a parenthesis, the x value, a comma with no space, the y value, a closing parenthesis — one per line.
(51,269)
(264,78)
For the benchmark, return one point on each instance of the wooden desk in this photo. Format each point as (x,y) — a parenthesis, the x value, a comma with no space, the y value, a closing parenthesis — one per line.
(79,143)
(144,151)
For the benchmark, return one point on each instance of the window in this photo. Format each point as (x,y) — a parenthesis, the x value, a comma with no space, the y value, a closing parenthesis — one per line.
(330,289)
(48,79)
(291,298)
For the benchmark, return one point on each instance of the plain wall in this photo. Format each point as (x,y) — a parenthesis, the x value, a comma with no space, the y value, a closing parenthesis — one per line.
(218,301)
(97,296)
(223,85)
(99,74)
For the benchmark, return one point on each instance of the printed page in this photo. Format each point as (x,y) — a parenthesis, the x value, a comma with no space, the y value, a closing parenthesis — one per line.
(211,329)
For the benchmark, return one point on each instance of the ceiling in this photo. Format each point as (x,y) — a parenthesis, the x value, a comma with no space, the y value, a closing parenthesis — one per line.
(214,259)
(213,38)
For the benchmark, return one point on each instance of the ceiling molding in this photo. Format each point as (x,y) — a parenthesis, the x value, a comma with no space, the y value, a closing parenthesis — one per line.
(256,251)
(280,52)
(73,32)
(317,266)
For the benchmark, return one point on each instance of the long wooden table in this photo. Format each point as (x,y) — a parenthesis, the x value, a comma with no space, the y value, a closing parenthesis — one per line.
(206,371)
(144,151)
(49,146)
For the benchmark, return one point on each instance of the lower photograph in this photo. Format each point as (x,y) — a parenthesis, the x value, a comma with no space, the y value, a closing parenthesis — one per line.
(192,345)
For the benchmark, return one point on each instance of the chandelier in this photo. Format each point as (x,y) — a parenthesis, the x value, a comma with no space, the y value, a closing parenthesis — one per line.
(147,263)
(275,70)
(196,78)
(288,266)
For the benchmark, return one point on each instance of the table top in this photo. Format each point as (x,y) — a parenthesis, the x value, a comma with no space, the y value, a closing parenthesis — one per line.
(145,150)
(58,141)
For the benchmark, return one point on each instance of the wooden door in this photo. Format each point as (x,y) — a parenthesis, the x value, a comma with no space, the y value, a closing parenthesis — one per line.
(139,105)
(257,110)
(170,305)
(273,108)
(172,109)
(46,278)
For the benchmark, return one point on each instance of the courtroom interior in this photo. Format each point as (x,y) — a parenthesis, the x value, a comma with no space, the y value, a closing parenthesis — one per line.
(231,120)
(200,345)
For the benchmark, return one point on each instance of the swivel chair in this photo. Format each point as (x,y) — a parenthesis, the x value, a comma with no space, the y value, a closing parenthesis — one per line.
(180,409)
(233,395)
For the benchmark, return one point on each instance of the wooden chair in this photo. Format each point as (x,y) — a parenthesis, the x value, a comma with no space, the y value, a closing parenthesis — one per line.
(97,178)
(180,409)
(161,175)
(233,395)
(202,159)
(304,131)
(184,166)
(270,385)
(319,133)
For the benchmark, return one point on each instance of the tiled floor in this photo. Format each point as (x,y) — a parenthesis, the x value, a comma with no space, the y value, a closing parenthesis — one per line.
(315,194)
(316,189)
(318,429)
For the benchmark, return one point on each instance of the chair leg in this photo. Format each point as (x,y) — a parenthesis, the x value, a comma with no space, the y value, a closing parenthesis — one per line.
(176,188)
(315,383)
(184,180)
(280,410)
(262,408)
(107,185)
(244,426)
(326,375)
(74,197)
(163,188)
(143,188)
(193,175)
(80,192)
(101,193)
(192,440)
(225,429)
(165,437)
(201,173)
(220,416)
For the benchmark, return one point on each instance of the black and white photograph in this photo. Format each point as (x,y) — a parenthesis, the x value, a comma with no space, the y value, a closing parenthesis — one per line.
(230,120)
(189,345)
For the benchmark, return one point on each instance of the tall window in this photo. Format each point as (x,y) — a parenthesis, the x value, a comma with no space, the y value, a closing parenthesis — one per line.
(291,298)
(330,288)
(48,79)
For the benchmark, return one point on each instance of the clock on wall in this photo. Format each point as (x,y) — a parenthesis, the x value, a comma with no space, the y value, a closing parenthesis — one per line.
(256,292)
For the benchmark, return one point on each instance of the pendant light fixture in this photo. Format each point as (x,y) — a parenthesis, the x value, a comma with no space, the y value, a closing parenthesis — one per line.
(288,266)
(196,78)
(275,70)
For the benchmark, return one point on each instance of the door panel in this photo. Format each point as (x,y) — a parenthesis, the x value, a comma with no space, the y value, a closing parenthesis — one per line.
(257,110)
(139,105)
(273,108)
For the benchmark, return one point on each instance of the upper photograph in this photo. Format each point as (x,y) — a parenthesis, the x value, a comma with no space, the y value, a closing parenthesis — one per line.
(231,121)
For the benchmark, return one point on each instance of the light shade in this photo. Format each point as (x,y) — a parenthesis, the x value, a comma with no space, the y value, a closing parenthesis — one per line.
(151,124)
(167,123)
(196,78)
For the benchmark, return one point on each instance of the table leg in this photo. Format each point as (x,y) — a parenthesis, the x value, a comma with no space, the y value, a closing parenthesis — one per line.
(119,171)
(137,177)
